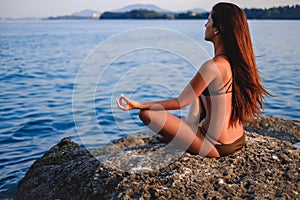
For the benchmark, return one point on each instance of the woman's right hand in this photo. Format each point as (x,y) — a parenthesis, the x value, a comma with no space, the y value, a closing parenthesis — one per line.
(127,104)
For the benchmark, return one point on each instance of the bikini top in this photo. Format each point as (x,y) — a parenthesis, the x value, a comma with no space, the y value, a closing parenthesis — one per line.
(207,92)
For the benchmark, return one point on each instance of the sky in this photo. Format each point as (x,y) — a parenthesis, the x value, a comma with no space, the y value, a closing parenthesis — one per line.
(45,8)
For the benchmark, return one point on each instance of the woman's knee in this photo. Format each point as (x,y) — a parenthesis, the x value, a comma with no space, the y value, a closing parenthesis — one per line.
(145,116)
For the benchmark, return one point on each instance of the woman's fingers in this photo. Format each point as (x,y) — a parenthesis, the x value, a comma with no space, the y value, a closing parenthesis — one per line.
(126,104)
(124,100)
(120,103)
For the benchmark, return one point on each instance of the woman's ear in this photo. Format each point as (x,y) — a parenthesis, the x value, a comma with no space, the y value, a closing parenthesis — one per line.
(216,31)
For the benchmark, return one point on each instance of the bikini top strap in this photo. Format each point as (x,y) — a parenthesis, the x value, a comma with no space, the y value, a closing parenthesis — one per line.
(207,92)
(229,84)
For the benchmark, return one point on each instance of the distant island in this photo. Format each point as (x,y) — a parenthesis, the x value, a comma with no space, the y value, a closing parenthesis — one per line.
(151,12)
(286,12)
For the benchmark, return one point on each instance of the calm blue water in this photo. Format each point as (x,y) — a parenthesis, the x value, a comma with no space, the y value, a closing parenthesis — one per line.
(40,61)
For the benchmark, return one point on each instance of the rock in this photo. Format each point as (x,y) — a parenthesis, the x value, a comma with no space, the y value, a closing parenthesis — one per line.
(282,129)
(266,168)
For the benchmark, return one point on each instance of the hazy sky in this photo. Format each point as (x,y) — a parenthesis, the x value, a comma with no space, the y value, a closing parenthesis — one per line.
(45,8)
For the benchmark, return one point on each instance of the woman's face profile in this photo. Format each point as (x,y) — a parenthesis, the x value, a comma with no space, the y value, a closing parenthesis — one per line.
(209,29)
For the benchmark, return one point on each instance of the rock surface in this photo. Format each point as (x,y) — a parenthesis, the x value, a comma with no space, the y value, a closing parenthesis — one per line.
(136,168)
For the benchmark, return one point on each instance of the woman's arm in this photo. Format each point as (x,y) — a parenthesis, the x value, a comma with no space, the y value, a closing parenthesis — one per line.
(127,104)
(196,86)
(196,112)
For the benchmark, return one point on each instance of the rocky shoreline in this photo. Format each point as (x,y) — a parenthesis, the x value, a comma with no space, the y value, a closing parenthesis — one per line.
(135,167)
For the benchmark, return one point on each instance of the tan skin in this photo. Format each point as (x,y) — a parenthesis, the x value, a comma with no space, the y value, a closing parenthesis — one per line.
(216,73)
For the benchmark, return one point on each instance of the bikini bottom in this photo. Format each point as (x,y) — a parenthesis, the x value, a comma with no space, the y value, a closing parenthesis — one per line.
(226,149)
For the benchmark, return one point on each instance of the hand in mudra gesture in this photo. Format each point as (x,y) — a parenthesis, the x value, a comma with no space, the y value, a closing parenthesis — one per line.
(126,104)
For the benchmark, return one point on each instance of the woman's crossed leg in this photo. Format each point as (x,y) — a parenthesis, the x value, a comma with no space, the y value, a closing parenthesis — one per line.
(179,132)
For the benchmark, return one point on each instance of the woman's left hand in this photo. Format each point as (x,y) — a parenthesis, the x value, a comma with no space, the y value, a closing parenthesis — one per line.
(126,104)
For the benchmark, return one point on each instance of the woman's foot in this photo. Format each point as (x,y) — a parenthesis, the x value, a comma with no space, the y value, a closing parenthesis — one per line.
(161,138)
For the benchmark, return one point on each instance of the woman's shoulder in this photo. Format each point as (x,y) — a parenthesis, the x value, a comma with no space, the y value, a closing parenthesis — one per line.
(209,64)
(221,60)
(217,64)
(222,63)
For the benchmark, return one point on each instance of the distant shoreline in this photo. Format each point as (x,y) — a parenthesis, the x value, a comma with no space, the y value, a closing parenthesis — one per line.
(46,19)
(275,13)
(287,12)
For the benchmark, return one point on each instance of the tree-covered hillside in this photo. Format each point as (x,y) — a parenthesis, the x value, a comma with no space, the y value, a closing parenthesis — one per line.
(287,12)
(135,14)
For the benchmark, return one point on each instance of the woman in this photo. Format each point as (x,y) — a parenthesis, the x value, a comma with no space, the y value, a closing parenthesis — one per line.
(225,93)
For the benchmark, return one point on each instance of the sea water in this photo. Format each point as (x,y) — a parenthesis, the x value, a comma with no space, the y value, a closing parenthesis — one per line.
(40,61)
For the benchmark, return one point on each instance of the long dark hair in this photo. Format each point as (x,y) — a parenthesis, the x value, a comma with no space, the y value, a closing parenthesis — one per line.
(248,91)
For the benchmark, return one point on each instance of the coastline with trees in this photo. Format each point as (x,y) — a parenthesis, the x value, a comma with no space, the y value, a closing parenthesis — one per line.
(284,13)
(287,12)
